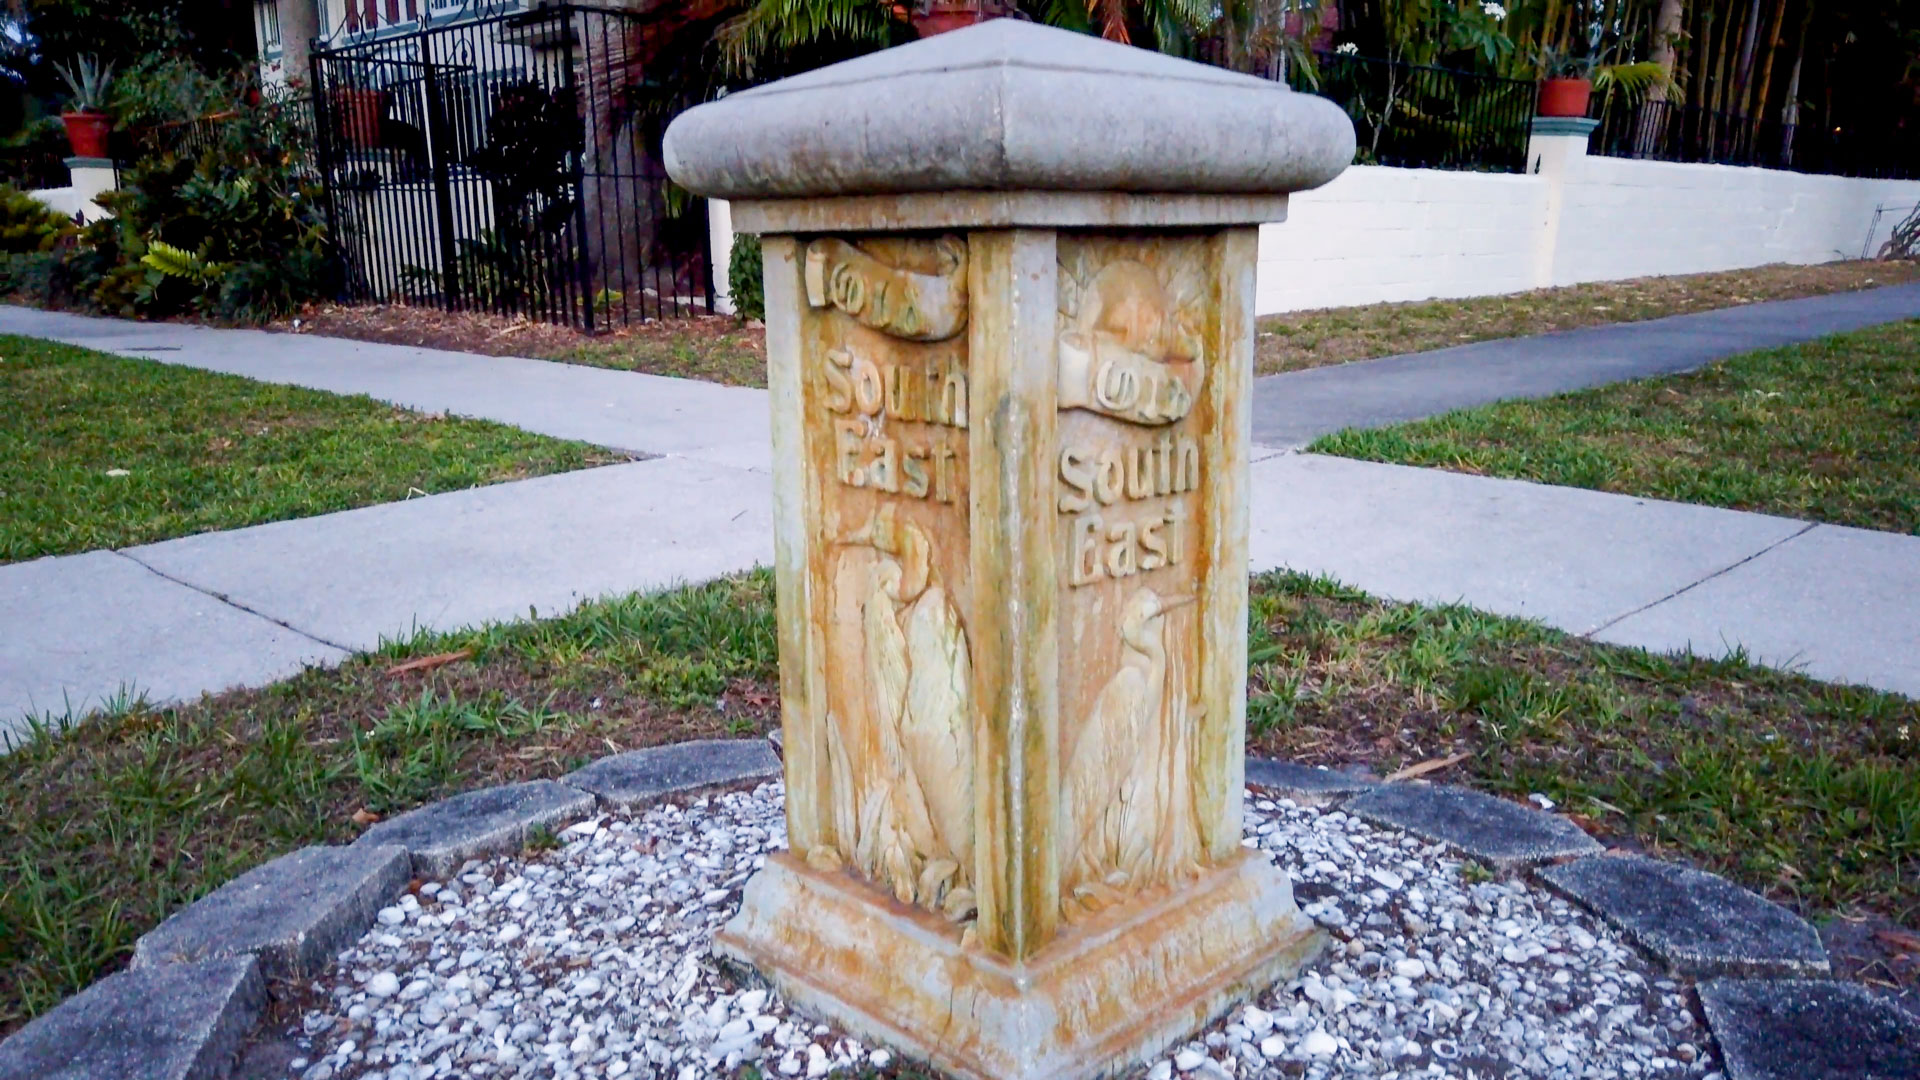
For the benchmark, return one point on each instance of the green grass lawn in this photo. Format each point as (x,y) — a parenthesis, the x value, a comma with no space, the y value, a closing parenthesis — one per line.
(103,451)
(1827,431)
(1808,792)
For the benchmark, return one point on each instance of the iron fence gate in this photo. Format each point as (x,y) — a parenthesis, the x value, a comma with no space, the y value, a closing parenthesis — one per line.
(510,163)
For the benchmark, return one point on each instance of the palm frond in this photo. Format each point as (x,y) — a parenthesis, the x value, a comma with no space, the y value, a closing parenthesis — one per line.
(779,25)
(1630,79)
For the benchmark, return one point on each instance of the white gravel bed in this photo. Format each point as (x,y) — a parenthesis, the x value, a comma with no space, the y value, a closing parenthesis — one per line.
(592,960)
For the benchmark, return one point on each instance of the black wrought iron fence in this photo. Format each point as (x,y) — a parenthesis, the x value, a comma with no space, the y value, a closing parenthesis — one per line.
(511,164)
(1671,131)
(1425,117)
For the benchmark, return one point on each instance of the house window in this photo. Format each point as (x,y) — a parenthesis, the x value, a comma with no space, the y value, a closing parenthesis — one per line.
(266,25)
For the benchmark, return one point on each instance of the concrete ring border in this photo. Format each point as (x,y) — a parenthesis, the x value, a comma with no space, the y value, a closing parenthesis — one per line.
(209,1030)
(1753,1004)
(196,991)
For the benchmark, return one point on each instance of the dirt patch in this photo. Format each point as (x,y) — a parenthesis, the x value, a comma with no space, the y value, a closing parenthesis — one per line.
(723,349)
(717,348)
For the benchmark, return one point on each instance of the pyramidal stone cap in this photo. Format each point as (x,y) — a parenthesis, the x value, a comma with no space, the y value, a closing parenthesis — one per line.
(1010,106)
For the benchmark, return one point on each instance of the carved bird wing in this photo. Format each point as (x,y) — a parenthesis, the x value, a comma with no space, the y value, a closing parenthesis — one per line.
(1096,777)
(888,668)
(938,728)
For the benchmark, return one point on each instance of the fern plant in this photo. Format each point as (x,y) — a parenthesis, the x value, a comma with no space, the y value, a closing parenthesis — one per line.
(177,262)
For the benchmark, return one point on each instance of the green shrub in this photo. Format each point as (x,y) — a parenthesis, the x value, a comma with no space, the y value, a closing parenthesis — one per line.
(26,224)
(164,88)
(744,278)
(237,233)
(32,276)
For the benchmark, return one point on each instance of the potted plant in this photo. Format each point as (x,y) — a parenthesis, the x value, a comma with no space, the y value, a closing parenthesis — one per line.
(87,121)
(930,17)
(1569,82)
(1566,85)
(359,110)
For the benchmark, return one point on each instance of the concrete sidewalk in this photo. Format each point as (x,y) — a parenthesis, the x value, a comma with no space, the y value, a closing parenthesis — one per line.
(249,606)
(246,607)
(624,410)
(1836,603)
(1293,409)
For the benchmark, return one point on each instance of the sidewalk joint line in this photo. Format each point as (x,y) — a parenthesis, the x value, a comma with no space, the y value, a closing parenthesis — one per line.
(1729,568)
(232,603)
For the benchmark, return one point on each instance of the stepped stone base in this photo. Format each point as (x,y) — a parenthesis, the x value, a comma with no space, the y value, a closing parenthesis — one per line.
(1110,992)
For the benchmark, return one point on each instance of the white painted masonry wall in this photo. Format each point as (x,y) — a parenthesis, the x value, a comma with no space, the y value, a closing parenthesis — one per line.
(1626,218)
(1381,234)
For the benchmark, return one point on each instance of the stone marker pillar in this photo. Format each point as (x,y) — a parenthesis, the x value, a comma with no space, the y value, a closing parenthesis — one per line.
(1009,289)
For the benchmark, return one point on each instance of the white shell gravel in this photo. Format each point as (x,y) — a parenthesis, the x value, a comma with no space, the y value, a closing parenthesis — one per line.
(592,960)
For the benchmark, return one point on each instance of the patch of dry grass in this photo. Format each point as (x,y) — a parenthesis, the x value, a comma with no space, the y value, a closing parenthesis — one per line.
(1309,339)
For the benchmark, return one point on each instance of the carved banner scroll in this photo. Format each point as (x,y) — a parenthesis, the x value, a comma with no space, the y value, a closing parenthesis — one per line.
(1130,347)
(915,290)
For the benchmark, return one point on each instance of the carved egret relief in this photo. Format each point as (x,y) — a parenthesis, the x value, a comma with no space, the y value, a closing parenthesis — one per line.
(900,728)
(1127,789)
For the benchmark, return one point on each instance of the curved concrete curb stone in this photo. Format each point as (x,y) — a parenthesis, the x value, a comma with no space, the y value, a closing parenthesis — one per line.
(640,778)
(1305,782)
(1499,833)
(1697,923)
(1803,1029)
(196,988)
(441,836)
(171,1022)
(294,913)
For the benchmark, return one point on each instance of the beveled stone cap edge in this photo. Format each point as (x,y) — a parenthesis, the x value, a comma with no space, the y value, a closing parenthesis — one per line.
(1002,209)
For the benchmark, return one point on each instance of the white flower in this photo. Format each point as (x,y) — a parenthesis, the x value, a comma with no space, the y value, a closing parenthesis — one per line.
(1346,48)
(1493,9)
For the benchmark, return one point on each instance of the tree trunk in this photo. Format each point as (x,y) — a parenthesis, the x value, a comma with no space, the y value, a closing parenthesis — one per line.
(1743,75)
(1666,30)
(1762,83)
(299,25)
(1790,109)
(1653,110)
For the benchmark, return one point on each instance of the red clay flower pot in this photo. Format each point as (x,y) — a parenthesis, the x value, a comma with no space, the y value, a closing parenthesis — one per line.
(1565,97)
(944,15)
(359,111)
(87,133)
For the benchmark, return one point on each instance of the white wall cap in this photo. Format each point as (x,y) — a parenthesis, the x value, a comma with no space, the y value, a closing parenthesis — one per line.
(1010,106)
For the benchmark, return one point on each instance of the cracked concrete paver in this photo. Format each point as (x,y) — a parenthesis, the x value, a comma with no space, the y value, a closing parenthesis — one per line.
(1834,602)
(81,627)
(1573,558)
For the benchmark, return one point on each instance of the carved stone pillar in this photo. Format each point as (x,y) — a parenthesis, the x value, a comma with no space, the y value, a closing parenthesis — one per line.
(1009,291)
